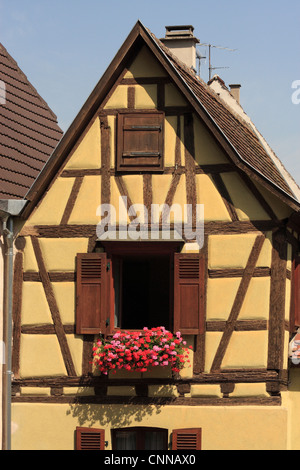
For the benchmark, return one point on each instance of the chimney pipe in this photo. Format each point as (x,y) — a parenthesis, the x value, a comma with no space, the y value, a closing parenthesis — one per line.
(182,42)
(235,91)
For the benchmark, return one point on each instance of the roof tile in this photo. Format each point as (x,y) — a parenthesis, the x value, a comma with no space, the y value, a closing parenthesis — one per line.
(29,131)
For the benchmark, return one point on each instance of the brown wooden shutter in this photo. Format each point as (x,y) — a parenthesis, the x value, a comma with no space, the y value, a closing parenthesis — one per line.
(140,142)
(90,439)
(186,439)
(188,293)
(296,289)
(92,309)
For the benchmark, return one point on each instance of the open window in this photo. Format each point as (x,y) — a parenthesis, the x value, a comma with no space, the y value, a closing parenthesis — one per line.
(134,285)
(142,288)
(140,438)
(140,141)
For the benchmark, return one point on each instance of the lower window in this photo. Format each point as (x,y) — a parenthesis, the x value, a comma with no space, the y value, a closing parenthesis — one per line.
(140,439)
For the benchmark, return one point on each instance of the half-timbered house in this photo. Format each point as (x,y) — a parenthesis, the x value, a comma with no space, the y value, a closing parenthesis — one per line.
(153,134)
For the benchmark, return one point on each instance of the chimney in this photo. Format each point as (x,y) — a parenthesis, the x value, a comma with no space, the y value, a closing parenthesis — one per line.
(235,91)
(182,42)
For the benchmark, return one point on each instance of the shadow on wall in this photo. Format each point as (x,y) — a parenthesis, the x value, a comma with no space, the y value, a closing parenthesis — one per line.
(112,415)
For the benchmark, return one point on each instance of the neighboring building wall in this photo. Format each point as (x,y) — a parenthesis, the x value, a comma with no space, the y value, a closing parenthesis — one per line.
(64,224)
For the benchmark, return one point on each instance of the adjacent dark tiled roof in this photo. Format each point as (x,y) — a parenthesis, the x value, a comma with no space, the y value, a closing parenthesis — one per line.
(238,132)
(28,131)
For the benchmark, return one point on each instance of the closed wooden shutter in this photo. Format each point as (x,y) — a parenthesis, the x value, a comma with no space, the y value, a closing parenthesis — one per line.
(140,141)
(186,439)
(90,439)
(92,293)
(296,288)
(188,293)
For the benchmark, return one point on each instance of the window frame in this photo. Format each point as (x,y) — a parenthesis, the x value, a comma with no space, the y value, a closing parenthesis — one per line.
(122,249)
(113,294)
(186,315)
(154,163)
(141,433)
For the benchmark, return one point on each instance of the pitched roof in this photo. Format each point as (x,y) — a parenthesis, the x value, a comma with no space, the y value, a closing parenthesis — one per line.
(28,130)
(240,135)
(236,136)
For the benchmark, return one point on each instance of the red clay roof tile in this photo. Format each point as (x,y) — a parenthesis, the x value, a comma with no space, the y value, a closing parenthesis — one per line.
(29,131)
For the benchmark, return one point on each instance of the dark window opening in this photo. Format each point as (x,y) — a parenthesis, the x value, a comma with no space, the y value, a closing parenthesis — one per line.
(142,292)
(140,439)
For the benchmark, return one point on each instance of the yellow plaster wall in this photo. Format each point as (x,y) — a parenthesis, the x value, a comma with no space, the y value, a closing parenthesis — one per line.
(207,151)
(221,294)
(120,208)
(207,194)
(247,206)
(173,97)
(51,209)
(87,203)
(65,298)
(145,96)
(170,140)
(75,344)
(29,260)
(134,185)
(60,253)
(233,251)
(40,356)
(246,350)
(160,188)
(87,154)
(243,390)
(35,309)
(145,65)
(281,210)
(179,201)
(223,428)
(118,98)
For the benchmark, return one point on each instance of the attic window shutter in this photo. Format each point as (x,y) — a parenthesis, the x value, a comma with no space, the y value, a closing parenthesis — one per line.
(92,295)
(90,439)
(140,142)
(188,293)
(186,439)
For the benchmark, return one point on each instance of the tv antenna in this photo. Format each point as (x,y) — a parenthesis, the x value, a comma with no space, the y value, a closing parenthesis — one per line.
(200,57)
(210,46)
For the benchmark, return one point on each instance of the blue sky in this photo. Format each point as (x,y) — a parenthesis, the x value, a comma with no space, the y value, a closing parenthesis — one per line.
(65,46)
